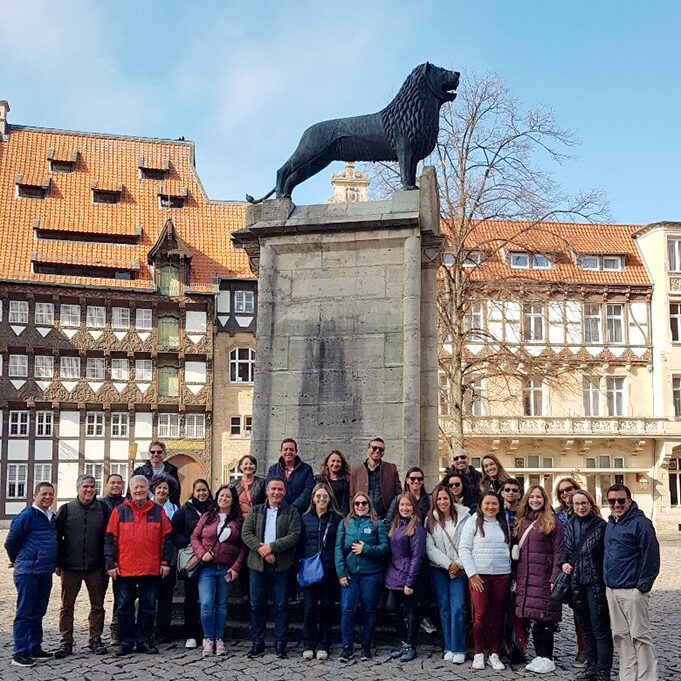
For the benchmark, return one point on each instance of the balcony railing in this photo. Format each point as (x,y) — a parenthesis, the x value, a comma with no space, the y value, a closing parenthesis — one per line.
(547,425)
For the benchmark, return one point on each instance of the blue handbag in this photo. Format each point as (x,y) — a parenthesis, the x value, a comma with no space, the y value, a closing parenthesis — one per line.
(311,570)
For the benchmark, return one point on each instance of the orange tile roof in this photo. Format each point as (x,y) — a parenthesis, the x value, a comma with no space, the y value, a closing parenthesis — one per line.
(78,253)
(561,240)
(203,224)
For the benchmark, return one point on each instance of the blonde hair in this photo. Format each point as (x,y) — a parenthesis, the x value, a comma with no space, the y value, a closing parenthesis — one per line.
(413,521)
(546,521)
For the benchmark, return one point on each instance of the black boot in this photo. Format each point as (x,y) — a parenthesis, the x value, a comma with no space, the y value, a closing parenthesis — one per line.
(603,675)
(587,673)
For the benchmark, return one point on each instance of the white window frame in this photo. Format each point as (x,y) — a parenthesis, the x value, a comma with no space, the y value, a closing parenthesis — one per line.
(120,369)
(615,396)
(69,315)
(533,397)
(95,369)
(144,372)
(474,397)
(122,469)
(18,423)
(675,481)
(43,366)
(529,261)
(44,423)
(44,314)
(674,254)
(589,318)
(120,424)
(120,318)
(614,323)
(96,470)
(18,312)
(472,259)
(616,261)
(168,425)
(194,426)
(235,363)
(533,322)
(675,321)
(17,481)
(473,316)
(94,424)
(18,366)
(248,426)
(591,395)
(590,267)
(244,302)
(95,317)
(676,395)
(143,319)
(42,472)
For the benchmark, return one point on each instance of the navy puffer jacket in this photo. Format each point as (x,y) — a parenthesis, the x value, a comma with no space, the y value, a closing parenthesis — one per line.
(32,543)
(312,533)
(536,570)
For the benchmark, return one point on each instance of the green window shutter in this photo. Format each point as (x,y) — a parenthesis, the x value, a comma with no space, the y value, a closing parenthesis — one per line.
(168,382)
(168,331)
(170,281)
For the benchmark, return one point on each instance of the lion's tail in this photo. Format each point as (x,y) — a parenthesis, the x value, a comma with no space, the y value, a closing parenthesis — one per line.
(250,199)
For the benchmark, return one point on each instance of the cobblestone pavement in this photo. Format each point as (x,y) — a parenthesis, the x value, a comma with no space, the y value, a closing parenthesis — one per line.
(175,662)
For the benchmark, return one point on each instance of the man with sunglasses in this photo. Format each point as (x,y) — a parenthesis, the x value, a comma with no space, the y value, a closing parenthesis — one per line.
(157,466)
(630,566)
(377,478)
(471,477)
(511,493)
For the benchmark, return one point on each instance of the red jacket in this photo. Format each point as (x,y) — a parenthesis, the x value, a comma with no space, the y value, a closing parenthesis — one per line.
(137,540)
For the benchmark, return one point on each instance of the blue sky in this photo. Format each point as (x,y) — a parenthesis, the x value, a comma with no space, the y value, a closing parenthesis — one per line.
(243,79)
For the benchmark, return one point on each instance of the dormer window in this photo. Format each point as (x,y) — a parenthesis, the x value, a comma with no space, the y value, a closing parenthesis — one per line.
(107,195)
(529,261)
(31,189)
(171,258)
(171,198)
(59,163)
(169,284)
(152,170)
(473,259)
(602,263)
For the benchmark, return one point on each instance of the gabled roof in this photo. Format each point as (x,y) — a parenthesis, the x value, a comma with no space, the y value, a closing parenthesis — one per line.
(109,160)
(561,241)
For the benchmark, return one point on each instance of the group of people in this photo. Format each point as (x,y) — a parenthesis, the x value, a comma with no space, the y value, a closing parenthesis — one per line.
(489,554)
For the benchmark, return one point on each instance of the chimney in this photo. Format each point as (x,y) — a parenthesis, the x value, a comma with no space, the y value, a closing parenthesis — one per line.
(4,109)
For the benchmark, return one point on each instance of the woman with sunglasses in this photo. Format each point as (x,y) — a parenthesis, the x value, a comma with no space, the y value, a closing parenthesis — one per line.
(335,474)
(494,475)
(539,534)
(361,545)
(319,526)
(184,522)
(444,523)
(216,542)
(455,484)
(582,557)
(564,491)
(407,550)
(485,552)
(413,483)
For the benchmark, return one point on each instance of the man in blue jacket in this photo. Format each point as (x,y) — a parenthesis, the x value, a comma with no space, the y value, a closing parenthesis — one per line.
(32,549)
(297,474)
(630,566)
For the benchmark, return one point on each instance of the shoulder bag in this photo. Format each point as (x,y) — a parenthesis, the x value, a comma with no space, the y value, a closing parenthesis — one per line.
(311,570)
(515,549)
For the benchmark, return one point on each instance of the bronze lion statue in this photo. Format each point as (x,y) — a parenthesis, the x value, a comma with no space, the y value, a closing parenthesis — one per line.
(405,131)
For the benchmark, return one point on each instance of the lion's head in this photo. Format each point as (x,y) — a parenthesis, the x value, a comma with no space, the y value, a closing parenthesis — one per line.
(442,82)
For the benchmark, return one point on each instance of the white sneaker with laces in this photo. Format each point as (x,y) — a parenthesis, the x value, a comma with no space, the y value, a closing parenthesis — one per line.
(448,655)
(308,654)
(207,647)
(545,666)
(191,643)
(458,658)
(531,666)
(494,662)
(478,661)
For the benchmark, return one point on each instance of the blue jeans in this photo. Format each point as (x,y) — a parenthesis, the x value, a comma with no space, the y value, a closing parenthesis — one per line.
(595,628)
(33,594)
(133,630)
(213,594)
(271,583)
(364,590)
(451,602)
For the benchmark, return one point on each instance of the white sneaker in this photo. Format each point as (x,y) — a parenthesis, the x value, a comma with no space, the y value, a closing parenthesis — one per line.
(545,666)
(308,654)
(448,655)
(322,654)
(191,643)
(458,658)
(533,664)
(494,662)
(478,661)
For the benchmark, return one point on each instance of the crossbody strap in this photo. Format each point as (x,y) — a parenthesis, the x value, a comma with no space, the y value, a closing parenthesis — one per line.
(524,537)
(451,541)
(326,531)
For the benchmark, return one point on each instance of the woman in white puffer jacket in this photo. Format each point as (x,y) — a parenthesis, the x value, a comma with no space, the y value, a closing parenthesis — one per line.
(485,552)
(444,522)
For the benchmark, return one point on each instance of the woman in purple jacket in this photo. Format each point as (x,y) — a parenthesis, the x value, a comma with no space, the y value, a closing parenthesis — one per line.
(216,541)
(407,551)
(539,534)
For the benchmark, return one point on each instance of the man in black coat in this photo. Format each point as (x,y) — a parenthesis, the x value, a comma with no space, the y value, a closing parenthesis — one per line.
(157,466)
(471,478)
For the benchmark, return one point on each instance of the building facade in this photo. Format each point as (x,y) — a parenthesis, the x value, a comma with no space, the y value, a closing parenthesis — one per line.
(112,257)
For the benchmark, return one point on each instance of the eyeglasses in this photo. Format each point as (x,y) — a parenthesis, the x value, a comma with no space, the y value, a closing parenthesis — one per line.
(454,484)
(375,448)
(566,489)
(511,490)
(361,503)
(618,500)
(155,451)
(413,479)
(461,457)
(320,497)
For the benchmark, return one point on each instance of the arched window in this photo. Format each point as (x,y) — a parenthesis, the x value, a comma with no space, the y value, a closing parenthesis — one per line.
(241,365)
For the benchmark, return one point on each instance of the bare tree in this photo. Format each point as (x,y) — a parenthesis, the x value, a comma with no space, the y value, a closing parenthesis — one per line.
(492,161)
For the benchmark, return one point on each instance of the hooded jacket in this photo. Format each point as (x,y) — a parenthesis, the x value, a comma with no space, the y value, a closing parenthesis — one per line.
(406,556)
(299,484)
(439,549)
(632,552)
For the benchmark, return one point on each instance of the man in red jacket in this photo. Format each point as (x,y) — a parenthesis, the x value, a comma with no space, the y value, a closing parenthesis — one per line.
(137,553)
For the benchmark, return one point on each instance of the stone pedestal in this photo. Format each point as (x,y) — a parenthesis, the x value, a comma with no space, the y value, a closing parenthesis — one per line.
(346,335)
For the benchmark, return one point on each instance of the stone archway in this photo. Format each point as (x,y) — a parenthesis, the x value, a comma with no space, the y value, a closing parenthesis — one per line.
(189,470)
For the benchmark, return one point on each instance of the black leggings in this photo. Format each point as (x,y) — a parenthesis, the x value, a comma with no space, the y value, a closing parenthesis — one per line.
(542,635)
(405,615)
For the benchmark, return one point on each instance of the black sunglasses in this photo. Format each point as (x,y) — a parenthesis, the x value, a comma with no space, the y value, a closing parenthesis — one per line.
(417,479)
(454,484)
(461,457)
(361,503)
(619,500)
(377,449)
(511,490)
